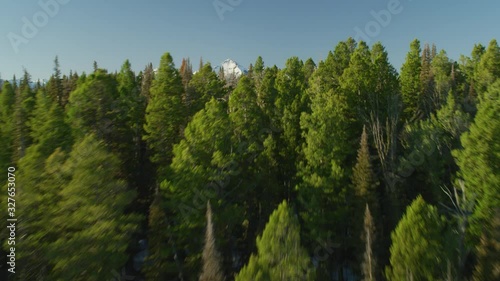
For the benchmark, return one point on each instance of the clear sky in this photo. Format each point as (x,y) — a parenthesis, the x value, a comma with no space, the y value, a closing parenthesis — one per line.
(110,31)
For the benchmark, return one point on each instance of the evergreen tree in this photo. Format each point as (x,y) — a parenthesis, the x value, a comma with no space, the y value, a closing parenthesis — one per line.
(130,120)
(488,69)
(441,68)
(25,103)
(7,106)
(186,72)
(384,101)
(364,190)
(147,81)
(41,177)
(411,87)
(417,250)
(267,94)
(479,161)
(427,81)
(212,270)
(92,217)
(291,101)
(369,265)
(203,169)
(49,132)
(322,192)
(432,141)
(279,253)
(55,85)
(363,178)
(93,107)
(203,86)
(309,68)
(157,265)
(164,114)
(258,71)
(469,66)
(358,85)
(488,251)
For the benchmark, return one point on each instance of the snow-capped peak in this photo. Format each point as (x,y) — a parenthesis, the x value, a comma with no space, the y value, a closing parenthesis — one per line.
(232,68)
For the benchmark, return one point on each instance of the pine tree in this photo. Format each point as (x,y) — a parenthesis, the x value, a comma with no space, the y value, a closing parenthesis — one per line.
(417,250)
(427,81)
(55,86)
(488,252)
(384,102)
(147,81)
(212,269)
(369,265)
(488,69)
(309,68)
(186,72)
(258,71)
(363,178)
(267,94)
(411,87)
(23,110)
(203,86)
(290,103)
(130,120)
(94,228)
(364,188)
(164,114)
(49,133)
(358,85)
(93,107)
(244,113)
(157,265)
(202,169)
(7,105)
(279,253)
(441,68)
(479,161)
(41,177)
(322,192)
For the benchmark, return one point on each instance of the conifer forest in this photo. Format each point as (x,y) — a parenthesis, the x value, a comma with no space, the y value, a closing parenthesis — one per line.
(340,169)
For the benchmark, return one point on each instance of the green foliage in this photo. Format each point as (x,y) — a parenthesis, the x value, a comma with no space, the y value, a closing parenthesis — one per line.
(479,160)
(428,144)
(95,228)
(488,251)
(93,107)
(89,151)
(157,264)
(280,255)
(488,69)
(23,111)
(291,101)
(411,87)
(201,170)
(417,250)
(204,85)
(326,131)
(164,113)
(7,125)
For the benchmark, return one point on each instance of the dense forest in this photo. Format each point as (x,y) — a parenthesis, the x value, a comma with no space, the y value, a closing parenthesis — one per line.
(345,169)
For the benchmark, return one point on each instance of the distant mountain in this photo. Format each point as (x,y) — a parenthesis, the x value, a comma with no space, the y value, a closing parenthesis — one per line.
(231,68)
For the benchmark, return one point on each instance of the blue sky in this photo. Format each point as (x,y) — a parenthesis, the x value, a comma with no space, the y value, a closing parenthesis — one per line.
(110,31)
